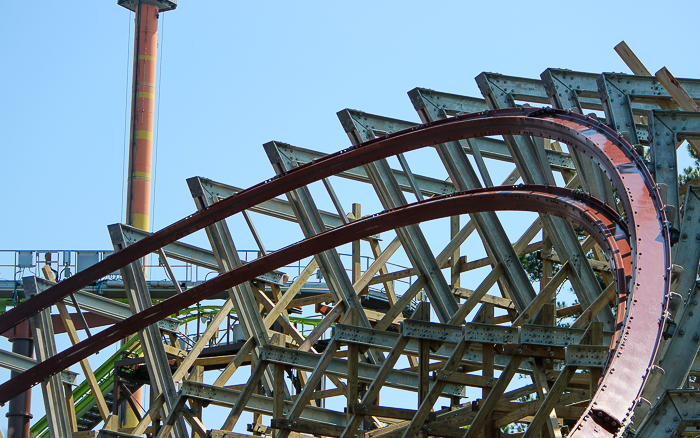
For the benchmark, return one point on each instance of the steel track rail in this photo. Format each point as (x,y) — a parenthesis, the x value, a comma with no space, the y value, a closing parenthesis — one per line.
(589,213)
(640,323)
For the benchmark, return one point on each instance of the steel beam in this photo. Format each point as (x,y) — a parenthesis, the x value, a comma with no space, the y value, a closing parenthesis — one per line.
(193,254)
(535,169)
(682,348)
(558,89)
(429,186)
(686,253)
(668,129)
(256,403)
(17,362)
(579,90)
(274,207)
(674,412)
(411,237)
(151,338)
(338,367)
(227,258)
(330,165)
(45,346)
(93,303)
(619,91)
(329,263)
(489,227)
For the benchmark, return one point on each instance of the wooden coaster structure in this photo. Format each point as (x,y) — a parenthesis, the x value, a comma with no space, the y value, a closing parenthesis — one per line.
(622,367)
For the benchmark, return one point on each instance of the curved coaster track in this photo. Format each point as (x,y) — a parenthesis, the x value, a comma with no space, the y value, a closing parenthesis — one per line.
(617,369)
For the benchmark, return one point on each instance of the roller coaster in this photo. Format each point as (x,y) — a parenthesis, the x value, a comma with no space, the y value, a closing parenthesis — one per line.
(625,366)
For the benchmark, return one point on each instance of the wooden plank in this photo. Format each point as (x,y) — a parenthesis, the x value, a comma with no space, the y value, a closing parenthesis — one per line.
(631,59)
(685,102)
(294,288)
(326,393)
(264,430)
(543,297)
(70,404)
(385,411)
(311,427)
(85,434)
(500,302)
(675,89)
(224,434)
(313,299)
(550,401)
(465,379)
(479,293)
(356,248)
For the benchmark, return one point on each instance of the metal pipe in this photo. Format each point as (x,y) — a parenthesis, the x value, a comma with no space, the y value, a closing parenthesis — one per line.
(19,410)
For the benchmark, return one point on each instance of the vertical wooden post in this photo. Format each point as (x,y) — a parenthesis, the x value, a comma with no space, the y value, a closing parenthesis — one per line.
(454,266)
(70,404)
(547,268)
(197,375)
(356,260)
(279,386)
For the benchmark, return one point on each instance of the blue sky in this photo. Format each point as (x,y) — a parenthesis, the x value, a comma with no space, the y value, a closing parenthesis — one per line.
(238,74)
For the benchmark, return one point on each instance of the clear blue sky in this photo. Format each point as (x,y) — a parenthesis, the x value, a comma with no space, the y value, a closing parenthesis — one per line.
(238,74)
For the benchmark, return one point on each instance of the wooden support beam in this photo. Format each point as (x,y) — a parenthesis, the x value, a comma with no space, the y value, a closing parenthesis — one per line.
(261,430)
(310,427)
(500,302)
(74,339)
(70,404)
(250,387)
(493,397)
(595,264)
(604,299)
(427,405)
(382,257)
(309,388)
(685,102)
(385,411)
(291,292)
(356,248)
(186,363)
(378,382)
(479,293)
(549,402)
(487,362)
(313,299)
(631,59)
(543,297)
(542,386)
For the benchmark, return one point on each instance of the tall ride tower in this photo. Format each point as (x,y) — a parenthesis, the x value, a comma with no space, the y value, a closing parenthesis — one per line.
(143,94)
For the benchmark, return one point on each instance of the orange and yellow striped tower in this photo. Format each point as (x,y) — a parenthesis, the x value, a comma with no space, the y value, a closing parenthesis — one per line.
(138,204)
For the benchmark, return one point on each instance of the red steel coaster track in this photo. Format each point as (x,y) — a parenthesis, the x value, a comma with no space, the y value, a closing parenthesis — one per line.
(639,249)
